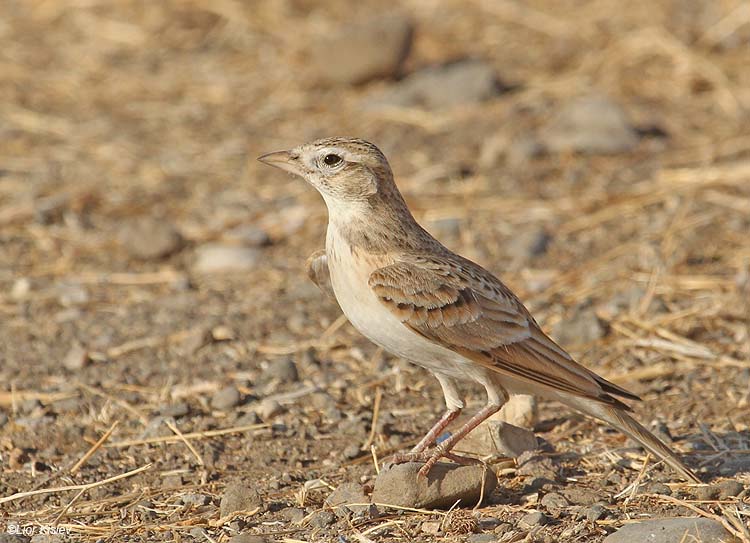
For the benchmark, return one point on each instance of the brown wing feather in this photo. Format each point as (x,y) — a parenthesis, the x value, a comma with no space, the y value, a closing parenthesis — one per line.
(465,308)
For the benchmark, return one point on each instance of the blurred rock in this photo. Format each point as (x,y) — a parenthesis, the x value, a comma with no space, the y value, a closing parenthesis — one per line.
(283,369)
(730,489)
(195,500)
(554,503)
(268,409)
(582,328)
(175,410)
(239,496)
(226,398)
(523,150)
(348,494)
(76,358)
(527,244)
(248,235)
(596,512)
(530,520)
(498,438)
(247,538)
(590,124)
(322,519)
(71,294)
(532,464)
(520,410)
(360,52)
(214,258)
(461,82)
(671,530)
(21,288)
(149,239)
(446,483)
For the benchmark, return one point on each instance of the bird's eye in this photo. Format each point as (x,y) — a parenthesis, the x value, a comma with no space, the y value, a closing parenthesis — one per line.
(332,160)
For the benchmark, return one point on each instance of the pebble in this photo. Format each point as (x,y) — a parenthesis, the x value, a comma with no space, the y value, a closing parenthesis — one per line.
(489,523)
(348,494)
(76,358)
(195,499)
(554,503)
(520,410)
(247,235)
(268,409)
(596,512)
(283,369)
(482,538)
(13,538)
(659,488)
(438,87)
(239,496)
(175,410)
(590,124)
(293,514)
(215,258)
(730,489)
(531,464)
(671,530)
(528,244)
(498,438)
(431,527)
(71,294)
(580,329)
(226,398)
(446,483)
(530,520)
(352,451)
(322,519)
(149,239)
(21,288)
(372,49)
(248,538)
(580,495)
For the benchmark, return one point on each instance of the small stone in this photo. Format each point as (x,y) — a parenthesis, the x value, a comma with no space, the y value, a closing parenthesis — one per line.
(498,438)
(530,520)
(520,410)
(76,358)
(283,369)
(522,151)
(3,419)
(443,487)
(456,83)
(375,48)
(247,235)
(580,329)
(322,519)
(6,537)
(249,538)
(431,527)
(659,488)
(728,489)
(531,464)
(195,500)
(488,524)
(294,514)
(352,451)
(595,512)
(175,410)
(268,409)
(226,398)
(671,530)
(590,124)
(239,496)
(21,288)
(214,258)
(580,495)
(71,294)
(172,481)
(349,494)
(149,239)
(529,244)
(706,493)
(481,538)
(47,538)
(554,502)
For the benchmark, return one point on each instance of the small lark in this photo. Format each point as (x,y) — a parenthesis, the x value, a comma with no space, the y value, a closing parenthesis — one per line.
(410,295)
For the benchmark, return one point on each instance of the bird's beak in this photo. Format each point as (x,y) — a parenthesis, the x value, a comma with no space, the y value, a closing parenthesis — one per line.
(283,160)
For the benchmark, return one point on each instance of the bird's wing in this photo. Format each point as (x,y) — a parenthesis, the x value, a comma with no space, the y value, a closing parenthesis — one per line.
(458,304)
(317,270)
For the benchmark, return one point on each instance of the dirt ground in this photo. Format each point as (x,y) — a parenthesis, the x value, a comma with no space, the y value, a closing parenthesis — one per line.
(128,137)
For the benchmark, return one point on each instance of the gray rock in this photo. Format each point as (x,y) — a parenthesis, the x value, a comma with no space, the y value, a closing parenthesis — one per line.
(520,410)
(489,523)
(352,451)
(47,538)
(706,492)
(671,530)
(361,52)
(248,235)
(226,398)
(149,239)
(239,496)
(727,489)
(554,502)
(580,329)
(76,358)
(446,483)
(13,538)
(530,243)
(249,538)
(268,409)
(482,538)
(195,499)
(596,512)
(3,419)
(348,494)
(532,464)
(533,519)
(293,514)
(175,410)
(659,488)
(283,369)
(322,519)
(580,495)
(590,124)
(498,438)
(71,294)
(457,83)
(214,258)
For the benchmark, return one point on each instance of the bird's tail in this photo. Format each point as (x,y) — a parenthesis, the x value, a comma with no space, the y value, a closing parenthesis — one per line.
(623,422)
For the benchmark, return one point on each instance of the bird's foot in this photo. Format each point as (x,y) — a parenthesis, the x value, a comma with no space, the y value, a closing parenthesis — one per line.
(430,458)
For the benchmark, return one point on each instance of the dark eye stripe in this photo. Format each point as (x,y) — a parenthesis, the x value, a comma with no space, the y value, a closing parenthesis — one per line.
(332,160)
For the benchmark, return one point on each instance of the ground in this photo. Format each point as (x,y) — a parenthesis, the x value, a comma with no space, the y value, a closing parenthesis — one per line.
(128,186)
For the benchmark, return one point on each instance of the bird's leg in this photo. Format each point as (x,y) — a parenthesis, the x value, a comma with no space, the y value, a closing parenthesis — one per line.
(444,447)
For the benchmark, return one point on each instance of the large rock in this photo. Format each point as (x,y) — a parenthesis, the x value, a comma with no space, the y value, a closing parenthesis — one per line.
(361,52)
(239,496)
(672,530)
(446,483)
(498,438)
(590,124)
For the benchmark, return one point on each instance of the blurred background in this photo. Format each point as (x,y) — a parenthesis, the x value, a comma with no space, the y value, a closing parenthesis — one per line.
(594,155)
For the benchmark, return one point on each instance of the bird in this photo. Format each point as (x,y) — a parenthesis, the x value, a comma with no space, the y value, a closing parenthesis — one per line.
(409,294)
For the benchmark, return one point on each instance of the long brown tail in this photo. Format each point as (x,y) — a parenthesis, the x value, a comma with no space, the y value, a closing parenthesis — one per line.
(623,422)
